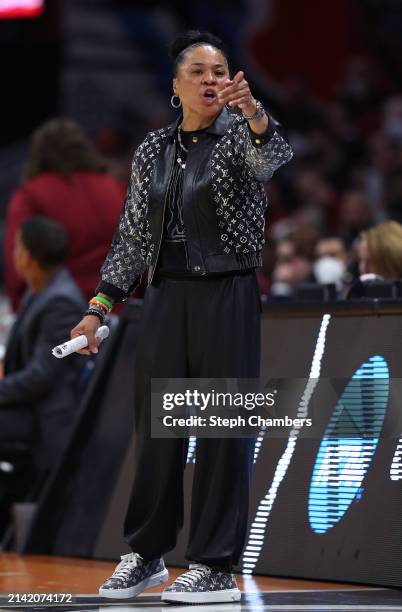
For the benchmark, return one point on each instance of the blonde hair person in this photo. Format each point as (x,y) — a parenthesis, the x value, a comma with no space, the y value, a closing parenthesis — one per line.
(380,250)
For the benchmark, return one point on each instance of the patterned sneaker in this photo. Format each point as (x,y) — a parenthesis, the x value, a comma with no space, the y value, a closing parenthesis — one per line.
(132,576)
(202,584)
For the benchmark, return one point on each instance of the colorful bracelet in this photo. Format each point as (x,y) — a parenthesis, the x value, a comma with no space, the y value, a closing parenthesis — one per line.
(98,304)
(102,299)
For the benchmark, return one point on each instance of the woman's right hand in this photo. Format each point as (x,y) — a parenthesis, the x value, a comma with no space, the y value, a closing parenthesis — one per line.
(87,327)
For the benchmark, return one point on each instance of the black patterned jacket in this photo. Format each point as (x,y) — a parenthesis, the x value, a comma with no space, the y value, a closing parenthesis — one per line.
(224,201)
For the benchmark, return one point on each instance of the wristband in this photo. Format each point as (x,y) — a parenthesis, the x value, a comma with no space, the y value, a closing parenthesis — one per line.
(102,299)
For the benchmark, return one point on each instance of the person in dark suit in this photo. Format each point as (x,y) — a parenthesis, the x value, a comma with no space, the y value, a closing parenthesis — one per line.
(38,393)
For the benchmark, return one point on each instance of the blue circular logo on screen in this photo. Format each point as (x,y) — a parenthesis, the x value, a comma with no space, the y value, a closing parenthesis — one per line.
(349,444)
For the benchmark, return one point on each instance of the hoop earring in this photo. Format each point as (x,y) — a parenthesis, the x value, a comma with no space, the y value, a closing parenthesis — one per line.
(173,103)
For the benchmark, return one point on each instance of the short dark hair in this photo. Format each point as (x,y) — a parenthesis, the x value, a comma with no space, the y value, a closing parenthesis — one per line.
(193,38)
(60,145)
(46,240)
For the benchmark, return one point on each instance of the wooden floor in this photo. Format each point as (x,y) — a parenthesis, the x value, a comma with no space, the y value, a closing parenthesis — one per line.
(40,574)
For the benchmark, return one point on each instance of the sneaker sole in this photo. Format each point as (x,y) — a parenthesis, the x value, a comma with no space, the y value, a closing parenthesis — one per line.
(208,597)
(147,583)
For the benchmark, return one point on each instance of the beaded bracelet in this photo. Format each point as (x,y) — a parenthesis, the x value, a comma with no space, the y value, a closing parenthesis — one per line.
(98,304)
(97,312)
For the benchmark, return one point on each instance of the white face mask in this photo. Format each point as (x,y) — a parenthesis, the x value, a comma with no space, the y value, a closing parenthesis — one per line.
(329,270)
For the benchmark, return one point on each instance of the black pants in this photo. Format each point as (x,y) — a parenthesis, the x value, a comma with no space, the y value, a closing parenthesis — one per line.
(193,328)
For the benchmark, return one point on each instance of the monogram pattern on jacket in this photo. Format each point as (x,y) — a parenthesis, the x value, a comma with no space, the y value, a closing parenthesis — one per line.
(129,572)
(238,169)
(203,579)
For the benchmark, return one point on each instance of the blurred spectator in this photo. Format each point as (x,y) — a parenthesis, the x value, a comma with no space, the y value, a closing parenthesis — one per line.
(293,267)
(38,394)
(331,262)
(314,202)
(66,180)
(332,246)
(380,250)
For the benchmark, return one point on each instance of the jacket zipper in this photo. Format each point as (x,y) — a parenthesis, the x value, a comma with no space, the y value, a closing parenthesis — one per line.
(199,240)
(163,214)
(199,235)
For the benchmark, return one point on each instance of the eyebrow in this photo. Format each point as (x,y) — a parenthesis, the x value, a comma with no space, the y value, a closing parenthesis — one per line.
(202,64)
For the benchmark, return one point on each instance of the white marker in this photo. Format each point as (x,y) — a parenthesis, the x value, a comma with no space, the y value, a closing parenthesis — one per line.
(76,344)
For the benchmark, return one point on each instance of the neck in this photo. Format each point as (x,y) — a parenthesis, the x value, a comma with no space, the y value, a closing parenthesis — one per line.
(40,279)
(192,122)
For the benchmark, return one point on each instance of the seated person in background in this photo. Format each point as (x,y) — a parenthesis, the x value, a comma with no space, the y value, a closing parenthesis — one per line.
(331,263)
(332,246)
(293,267)
(380,251)
(38,398)
(66,180)
(380,256)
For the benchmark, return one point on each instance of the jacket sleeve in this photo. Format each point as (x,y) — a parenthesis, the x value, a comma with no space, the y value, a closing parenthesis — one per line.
(19,210)
(265,153)
(126,260)
(43,371)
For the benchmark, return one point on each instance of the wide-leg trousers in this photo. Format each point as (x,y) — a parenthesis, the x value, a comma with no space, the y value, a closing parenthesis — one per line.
(193,328)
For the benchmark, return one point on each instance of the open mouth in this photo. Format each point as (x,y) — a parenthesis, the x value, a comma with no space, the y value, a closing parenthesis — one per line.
(209,94)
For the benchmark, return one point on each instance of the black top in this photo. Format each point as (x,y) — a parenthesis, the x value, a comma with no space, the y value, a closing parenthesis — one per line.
(173,257)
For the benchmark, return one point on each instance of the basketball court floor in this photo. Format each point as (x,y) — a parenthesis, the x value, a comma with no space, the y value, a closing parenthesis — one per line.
(38,583)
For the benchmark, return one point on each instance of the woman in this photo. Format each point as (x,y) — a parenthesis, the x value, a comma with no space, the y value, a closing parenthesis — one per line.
(380,250)
(194,215)
(66,180)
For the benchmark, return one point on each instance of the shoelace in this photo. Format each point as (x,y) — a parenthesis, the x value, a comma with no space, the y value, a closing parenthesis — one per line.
(196,572)
(127,563)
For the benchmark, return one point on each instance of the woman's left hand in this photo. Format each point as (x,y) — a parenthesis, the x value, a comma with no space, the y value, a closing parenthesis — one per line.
(237,93)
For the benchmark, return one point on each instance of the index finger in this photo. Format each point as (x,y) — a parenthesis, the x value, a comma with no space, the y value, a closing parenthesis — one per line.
(238,77)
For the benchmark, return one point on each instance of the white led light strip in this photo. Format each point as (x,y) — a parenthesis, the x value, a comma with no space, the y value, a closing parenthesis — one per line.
(192,445)
(259,525)
(396,465)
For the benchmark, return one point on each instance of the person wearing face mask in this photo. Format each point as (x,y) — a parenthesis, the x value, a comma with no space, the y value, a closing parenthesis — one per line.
(194,217)
(331,261)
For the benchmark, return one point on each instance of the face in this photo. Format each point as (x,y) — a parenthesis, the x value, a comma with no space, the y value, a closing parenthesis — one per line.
(285,251)
(331,247)
(200,76)
(21,256)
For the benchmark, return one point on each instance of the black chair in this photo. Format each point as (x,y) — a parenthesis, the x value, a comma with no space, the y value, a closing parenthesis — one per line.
(313,292)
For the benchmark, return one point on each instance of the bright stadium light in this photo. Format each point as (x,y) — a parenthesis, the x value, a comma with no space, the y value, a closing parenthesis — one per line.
(21,9)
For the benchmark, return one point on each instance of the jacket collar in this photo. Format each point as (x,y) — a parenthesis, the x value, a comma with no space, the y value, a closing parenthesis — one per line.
(218,127)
